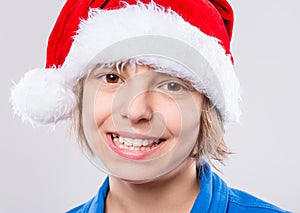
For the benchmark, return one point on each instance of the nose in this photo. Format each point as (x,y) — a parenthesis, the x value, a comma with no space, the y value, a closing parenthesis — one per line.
(138,108)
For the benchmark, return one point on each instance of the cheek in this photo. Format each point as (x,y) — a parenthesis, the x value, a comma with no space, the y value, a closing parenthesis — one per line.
(173,118)
(190,124)
(180,117)
(96,105)
(102,107)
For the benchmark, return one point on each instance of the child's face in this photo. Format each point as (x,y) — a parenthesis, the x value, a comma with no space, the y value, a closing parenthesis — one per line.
(140,124)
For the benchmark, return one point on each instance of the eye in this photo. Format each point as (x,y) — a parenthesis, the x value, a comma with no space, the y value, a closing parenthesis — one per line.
(111,78)
(174,87)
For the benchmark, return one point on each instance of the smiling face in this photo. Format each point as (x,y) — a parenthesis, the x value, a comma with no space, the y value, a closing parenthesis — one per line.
(139,124)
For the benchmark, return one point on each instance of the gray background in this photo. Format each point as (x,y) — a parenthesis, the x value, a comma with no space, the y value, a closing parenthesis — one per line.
(44,171)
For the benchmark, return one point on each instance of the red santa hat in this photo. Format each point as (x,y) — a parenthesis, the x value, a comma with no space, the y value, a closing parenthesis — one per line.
(85,28)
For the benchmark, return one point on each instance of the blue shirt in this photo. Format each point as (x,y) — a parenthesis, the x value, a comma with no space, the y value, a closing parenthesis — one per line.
(215,196)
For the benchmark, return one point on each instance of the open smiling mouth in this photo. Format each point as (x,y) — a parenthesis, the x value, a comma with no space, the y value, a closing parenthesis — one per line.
(134,148)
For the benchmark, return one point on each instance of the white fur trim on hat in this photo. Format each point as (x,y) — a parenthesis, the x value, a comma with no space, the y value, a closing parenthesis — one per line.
(42,97)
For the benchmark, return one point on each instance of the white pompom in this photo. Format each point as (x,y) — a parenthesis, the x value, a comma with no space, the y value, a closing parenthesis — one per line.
(43,97)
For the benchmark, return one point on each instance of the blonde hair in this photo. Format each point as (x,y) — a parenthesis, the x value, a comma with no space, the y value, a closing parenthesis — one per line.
(210,144)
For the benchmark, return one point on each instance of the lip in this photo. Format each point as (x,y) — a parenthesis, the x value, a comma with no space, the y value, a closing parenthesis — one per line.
(132,154)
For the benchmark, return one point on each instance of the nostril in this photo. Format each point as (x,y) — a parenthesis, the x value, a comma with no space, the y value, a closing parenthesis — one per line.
(137,113)
(141,116)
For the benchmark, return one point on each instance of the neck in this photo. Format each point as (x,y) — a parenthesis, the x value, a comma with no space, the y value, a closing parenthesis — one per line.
(174,192)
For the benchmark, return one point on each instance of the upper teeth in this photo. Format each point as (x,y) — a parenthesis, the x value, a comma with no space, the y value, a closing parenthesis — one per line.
(132,141)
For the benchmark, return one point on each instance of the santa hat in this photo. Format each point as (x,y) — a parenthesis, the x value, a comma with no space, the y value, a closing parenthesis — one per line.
(85,28)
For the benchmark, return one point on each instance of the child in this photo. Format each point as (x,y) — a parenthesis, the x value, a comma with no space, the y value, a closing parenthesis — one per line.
(150,87)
